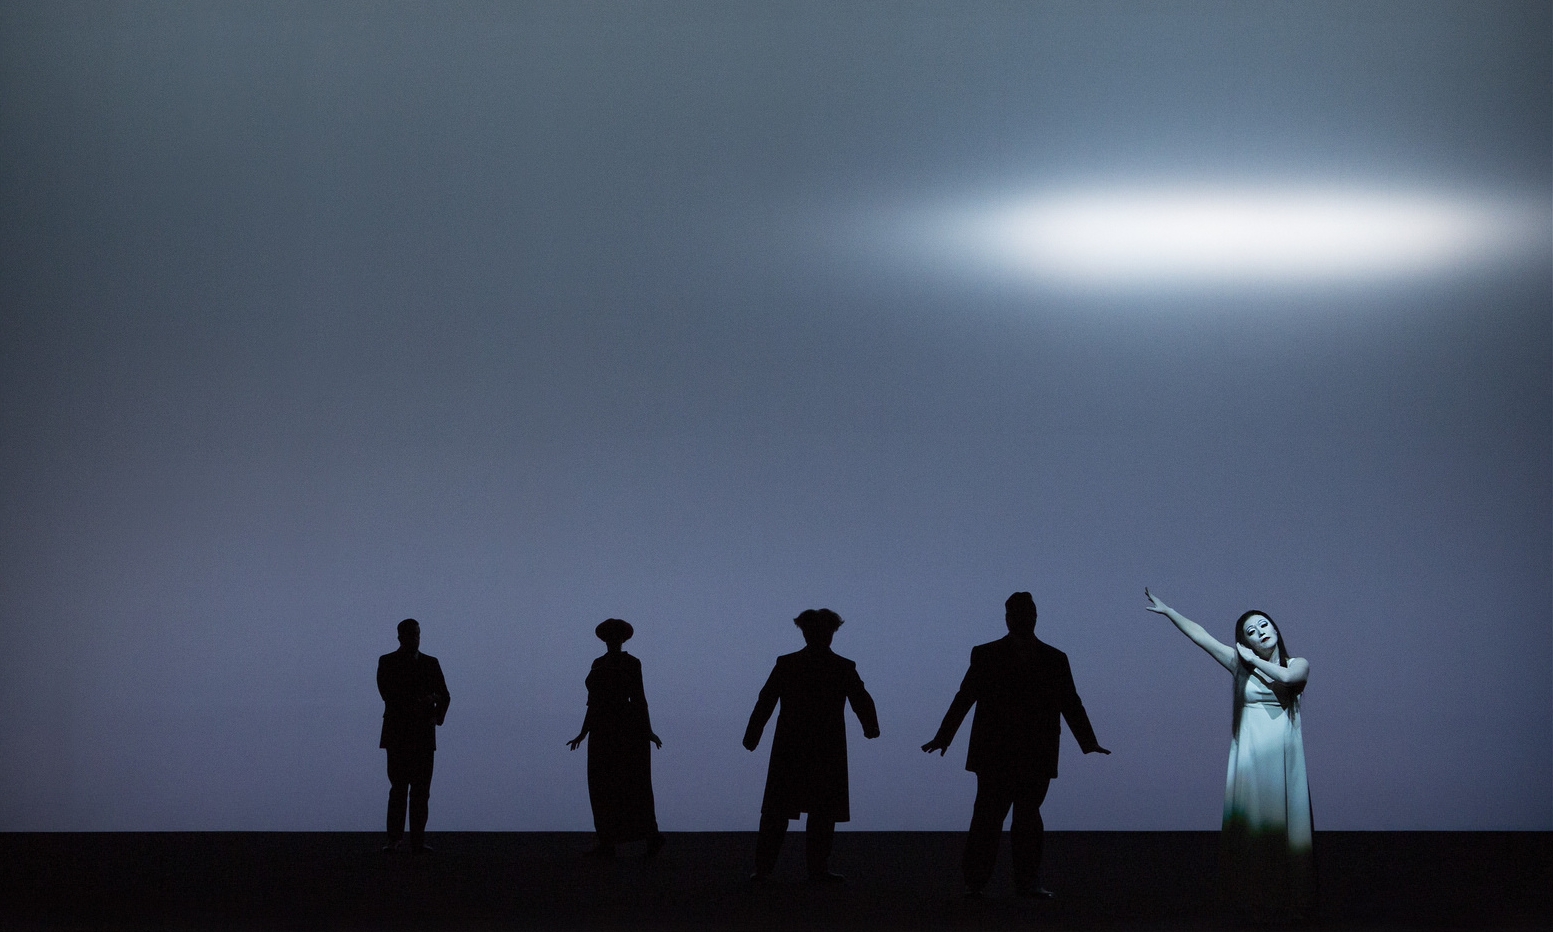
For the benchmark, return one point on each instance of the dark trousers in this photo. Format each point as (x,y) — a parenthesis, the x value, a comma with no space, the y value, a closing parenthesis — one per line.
(818,836)
(409,779)
(995,793)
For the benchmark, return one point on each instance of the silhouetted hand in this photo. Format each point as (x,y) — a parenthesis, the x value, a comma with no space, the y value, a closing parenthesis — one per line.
(1097,749)
(578,740)
(751,741)
(936,745)
(871,734)
(656,740)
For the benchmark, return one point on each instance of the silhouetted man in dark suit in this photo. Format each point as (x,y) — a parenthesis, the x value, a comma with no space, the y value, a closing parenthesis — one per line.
(1019,686)
(808,770)
(415,701)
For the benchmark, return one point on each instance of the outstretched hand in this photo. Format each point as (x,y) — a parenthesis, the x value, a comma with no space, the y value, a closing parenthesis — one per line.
(1155,605)
(936,745)
(1097,749)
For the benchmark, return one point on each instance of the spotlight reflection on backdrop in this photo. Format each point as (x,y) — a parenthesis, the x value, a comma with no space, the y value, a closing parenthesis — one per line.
(1202,237)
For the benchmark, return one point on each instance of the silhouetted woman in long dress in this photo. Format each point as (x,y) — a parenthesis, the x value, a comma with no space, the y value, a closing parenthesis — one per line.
(1266,858)
(618,730)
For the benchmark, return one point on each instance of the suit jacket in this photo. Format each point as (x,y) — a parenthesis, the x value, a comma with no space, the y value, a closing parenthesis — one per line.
(415,700)
(808,769)
(1019,685)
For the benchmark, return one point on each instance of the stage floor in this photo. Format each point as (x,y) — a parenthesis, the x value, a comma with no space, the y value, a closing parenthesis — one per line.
(895,880)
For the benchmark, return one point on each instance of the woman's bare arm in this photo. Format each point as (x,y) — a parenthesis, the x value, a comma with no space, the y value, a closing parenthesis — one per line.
(1224,654)
(587,726)
(1295,674)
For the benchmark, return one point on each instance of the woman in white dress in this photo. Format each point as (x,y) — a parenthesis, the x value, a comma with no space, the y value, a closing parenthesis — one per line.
(1266,860)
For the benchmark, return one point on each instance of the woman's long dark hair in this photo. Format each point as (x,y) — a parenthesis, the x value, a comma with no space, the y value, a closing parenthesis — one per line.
(1240,635)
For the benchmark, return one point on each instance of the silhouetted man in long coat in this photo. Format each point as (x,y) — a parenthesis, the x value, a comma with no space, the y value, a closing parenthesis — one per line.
(1019,687)
(808,770)
(415,701)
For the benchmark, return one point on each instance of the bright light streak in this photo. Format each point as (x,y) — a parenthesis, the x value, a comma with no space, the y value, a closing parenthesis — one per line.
(1215,237)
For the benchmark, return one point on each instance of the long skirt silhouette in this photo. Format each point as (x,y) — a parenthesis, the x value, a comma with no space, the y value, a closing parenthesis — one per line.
(1267,861)
(619,755)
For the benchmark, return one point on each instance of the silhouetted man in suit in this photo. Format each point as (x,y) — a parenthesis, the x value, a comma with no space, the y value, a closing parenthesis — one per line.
(415,701)
(808,769)
(1019,686)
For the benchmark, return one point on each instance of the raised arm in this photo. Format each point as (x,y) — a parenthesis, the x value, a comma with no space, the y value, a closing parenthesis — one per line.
(1223,653)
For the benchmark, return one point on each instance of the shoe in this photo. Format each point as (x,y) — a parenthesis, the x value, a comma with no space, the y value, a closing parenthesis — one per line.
(1035,892)
(422,849)
(654,845)
(396,845)
(826,877)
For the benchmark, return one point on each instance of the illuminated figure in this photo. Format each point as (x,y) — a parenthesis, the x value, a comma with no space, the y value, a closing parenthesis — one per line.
(1266,857)
(1020,686)
(618,729)
(415,701)
(808,769)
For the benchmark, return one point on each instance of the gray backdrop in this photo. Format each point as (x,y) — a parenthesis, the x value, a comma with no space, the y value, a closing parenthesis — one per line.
(512,318)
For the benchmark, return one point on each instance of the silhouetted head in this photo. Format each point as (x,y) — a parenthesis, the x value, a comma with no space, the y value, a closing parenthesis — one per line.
(818,626)
(614,632)
(1260,633)
(1019,613)
(410,634)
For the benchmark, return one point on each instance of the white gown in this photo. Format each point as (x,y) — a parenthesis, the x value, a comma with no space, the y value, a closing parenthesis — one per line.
(1266,857)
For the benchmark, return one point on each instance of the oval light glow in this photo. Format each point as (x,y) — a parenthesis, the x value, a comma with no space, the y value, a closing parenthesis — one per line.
(1205,237)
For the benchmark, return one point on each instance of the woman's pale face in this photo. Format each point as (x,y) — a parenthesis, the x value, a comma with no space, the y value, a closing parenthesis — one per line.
(1260,634)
